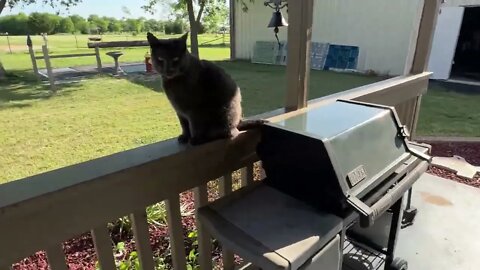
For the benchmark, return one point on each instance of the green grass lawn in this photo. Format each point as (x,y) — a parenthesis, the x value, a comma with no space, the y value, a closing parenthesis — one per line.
(104,115)
(445,112)
(214,47)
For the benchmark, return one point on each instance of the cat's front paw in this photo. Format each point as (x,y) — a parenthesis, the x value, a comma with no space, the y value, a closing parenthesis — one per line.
(183,139)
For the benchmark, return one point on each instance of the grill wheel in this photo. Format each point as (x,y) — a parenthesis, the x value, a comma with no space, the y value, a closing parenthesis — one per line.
(399,264)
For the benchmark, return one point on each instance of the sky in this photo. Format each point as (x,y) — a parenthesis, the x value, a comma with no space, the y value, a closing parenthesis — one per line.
(110,8)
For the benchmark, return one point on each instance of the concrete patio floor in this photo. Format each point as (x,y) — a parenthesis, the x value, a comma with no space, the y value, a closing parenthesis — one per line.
(446,231)
(73,73)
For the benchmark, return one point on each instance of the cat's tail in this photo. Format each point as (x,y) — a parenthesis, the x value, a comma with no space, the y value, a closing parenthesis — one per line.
(246,124)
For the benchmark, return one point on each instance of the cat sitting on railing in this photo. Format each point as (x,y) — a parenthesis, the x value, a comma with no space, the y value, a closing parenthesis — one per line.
(206,99)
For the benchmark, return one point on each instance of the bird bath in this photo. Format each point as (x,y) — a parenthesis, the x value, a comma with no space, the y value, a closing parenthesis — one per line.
(115,55)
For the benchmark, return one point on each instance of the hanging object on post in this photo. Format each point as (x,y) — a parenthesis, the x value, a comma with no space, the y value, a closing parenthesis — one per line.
(277,19)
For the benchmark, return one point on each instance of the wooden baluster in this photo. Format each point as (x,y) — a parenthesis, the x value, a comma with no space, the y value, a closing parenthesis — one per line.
(204,243)
(263,175)
(103,248)
(225,186)
(142,239)
(247,175)
(416,114)
(409,113)
(56,258)
(174,220)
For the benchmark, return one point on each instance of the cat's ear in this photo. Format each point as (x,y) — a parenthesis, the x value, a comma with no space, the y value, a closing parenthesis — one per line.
(152,40)
(184,37)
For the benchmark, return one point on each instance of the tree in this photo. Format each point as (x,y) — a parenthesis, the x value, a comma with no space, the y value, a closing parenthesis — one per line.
(13,3)
(66,26)
(193,10)
(93,28)
(134,25)
(52,3)
(115,26)
(216,16)
(14,24)
(154,26)
(100,23)
(193,19)
(81,25)
(43,23)
(93,18)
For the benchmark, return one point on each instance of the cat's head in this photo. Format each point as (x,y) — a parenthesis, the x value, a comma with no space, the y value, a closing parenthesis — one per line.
(169,56)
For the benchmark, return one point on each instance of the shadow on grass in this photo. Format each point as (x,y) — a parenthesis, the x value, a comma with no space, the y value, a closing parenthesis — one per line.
(154,81)
(264,86)
(218,45)
(21,89)
(150,81)
(462,88)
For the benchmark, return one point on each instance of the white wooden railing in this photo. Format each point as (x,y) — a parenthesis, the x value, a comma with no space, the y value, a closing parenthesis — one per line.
(43,211)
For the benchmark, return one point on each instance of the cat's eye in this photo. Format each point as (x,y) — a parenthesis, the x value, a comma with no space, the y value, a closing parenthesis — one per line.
(175,60)
(160,61)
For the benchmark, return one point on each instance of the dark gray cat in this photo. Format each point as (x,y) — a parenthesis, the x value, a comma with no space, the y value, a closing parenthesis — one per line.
(206,99)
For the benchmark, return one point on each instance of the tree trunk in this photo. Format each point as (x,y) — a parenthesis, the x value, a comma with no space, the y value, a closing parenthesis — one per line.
(3,72)
(193,29)
(2,5)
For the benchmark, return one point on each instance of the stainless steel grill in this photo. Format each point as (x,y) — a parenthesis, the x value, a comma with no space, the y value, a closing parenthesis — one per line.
(332,198)
(336,157)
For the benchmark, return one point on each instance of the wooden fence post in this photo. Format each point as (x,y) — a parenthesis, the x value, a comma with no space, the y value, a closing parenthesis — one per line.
(8,41)
(99,60)
(32,56)
(51,78)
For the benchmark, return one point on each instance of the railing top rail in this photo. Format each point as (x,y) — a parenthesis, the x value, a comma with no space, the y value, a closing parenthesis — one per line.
(113,44)
(406,86)
(36,185)
(88,199)
(388,92)
(66,55)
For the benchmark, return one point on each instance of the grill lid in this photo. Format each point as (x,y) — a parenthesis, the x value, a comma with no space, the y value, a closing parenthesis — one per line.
(334,155)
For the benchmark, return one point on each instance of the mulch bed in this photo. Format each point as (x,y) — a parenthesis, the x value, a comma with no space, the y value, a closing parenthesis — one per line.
(468,150)
(80,251)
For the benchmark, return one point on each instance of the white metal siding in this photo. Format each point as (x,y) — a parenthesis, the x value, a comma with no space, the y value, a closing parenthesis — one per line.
(251,26)
(456,3)
(383,29)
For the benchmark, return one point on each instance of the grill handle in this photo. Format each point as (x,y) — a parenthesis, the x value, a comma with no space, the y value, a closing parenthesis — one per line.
(370,214)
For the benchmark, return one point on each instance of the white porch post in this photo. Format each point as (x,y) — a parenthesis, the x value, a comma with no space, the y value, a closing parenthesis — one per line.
(300,18)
